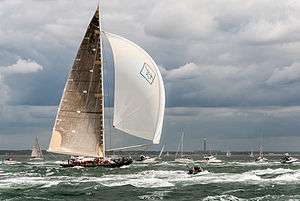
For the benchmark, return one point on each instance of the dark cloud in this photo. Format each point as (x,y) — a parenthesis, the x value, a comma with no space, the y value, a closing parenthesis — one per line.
(215,53)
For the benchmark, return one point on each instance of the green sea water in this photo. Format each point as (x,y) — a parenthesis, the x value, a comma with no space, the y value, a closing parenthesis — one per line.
(237,178)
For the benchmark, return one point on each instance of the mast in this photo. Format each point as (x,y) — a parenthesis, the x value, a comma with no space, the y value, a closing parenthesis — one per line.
(36,149)
(182,136)
(102,79)
(178,148)
(161,151)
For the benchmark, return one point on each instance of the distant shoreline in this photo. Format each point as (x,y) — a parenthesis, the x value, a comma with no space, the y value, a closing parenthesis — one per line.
(19,152)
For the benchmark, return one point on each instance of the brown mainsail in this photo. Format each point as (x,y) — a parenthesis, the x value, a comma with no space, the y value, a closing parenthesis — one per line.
(79,126)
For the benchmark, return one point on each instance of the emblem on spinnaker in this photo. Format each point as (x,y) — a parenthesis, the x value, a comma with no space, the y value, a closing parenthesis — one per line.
(148,73)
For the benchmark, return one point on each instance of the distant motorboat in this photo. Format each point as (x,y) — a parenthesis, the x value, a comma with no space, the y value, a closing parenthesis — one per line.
(287,159)
(211,159)
(10,160)
(195,170)
(148,159)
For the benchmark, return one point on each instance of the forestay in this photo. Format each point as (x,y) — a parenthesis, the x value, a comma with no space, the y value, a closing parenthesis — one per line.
(139,98)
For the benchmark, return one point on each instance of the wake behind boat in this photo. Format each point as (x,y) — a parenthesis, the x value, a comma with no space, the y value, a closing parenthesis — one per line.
(139,100)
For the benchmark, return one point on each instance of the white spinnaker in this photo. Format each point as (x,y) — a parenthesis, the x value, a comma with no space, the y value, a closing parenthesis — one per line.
(139,100)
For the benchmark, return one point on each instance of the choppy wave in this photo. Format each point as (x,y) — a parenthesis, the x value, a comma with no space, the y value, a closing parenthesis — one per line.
(154,178)
(223,198)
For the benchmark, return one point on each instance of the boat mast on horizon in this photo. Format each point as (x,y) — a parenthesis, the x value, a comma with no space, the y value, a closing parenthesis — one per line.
(228,153)
(179,157)
(36,153)
(251,154)
(139,97)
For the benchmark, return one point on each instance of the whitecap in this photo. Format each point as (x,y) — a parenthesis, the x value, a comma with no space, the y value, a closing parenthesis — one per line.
(222,198)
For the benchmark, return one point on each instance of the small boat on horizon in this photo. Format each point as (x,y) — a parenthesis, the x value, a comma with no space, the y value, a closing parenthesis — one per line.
(10,159)
(251,155)
(260,158)
(210,159)
(228,154)
(148,159)
(36,153)
(179,157)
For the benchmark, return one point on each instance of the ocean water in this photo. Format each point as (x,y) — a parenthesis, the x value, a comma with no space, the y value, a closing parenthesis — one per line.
(237,178)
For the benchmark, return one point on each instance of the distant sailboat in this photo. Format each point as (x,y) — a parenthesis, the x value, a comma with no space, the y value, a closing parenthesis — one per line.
(260,157)
(179,158)
(228,154)
(36,153)
(139,99)
(251,154)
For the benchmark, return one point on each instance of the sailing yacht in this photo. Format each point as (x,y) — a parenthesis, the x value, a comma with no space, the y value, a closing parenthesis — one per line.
(36,153)
(228,154)
(139,99)
(179,158)
(260,158)
(251,155)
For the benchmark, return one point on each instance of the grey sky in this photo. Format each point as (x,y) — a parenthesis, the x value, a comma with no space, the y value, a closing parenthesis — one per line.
(231,68)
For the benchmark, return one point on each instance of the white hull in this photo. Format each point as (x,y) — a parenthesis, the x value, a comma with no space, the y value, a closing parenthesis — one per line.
(183,160)
(261,160)
(210,159)
(36,159)
(6,162)
(149,160)
(292,160)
